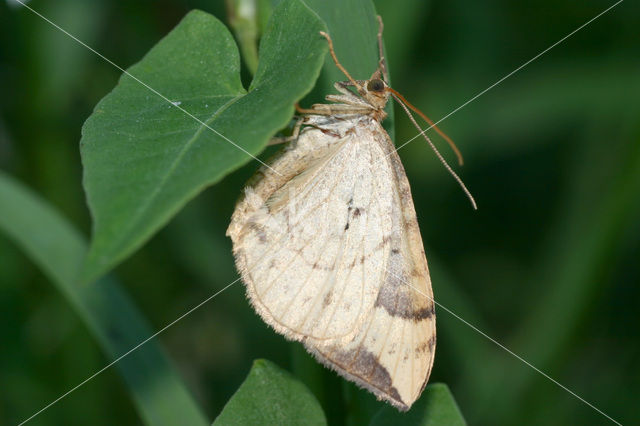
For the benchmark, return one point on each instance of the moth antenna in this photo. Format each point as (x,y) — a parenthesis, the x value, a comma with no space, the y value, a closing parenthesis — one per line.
(453,146)
(399,98)
(382,63)
(339,65)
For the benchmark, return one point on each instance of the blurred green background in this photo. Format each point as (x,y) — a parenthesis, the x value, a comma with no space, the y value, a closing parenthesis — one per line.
(548,265)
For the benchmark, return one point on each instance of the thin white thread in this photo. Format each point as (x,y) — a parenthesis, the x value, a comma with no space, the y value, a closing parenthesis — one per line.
(126,353)
(473,327)
(173,103)
(400,278)
(511,73)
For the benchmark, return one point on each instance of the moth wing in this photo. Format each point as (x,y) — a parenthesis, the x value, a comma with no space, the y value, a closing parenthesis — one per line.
(309,238)
(393,351)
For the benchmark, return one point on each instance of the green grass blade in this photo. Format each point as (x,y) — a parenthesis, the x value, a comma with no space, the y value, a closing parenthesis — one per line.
(595,214)
(58,249)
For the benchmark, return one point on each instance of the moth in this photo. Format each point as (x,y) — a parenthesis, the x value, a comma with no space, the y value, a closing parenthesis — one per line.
(327,243)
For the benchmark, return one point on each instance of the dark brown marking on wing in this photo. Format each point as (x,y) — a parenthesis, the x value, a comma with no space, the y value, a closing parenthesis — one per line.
(431,344)
(259,230)
(425,347)
(392,349)
(318,266)
(364,368)
(352,211)
(328,299)
(397,297)
(358,260)
(383,243)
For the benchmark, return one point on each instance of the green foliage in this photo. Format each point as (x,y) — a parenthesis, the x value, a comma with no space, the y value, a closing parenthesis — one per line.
(435,407)
(271,396)
(58,249)
(144,158)
(547,266)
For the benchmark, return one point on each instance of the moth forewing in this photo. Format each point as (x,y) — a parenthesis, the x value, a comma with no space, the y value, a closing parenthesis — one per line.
(328,246)
(339,264)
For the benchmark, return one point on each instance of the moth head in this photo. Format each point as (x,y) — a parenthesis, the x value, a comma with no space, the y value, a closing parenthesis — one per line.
(376,91)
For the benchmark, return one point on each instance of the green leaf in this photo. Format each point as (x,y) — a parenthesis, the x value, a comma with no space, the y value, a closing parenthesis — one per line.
(435,407)
(58,249)
(145,158)
(271,396)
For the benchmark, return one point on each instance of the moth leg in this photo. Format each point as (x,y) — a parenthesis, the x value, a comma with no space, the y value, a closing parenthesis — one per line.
(316,109)
(284,139)
(325,109)
(343,87)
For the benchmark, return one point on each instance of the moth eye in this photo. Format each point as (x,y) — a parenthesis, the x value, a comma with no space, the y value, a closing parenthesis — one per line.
(375,85)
